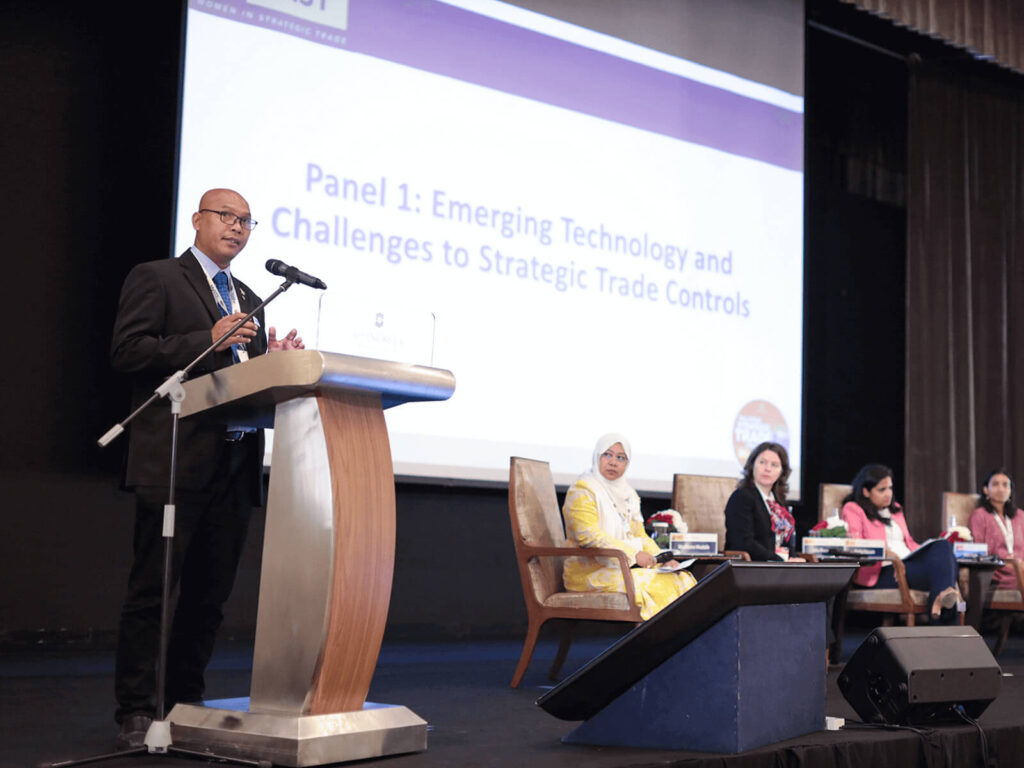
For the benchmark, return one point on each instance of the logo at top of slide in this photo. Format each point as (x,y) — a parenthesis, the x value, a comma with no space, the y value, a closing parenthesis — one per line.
(330,13)
(757,422)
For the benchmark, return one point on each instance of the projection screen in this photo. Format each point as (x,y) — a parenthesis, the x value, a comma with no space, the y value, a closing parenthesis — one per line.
(590,212)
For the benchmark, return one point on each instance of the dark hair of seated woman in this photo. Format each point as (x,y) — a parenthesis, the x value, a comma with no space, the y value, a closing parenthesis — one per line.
(1009,506)
(868,477)
(781,488)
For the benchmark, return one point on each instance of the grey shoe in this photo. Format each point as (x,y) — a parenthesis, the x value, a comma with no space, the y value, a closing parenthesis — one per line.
(133,732)
(950,597)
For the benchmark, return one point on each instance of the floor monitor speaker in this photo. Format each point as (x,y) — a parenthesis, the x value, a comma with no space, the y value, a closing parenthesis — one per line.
(920,675)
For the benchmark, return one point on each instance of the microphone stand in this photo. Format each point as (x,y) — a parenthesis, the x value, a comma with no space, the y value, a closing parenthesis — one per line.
(158,737)
(175,379)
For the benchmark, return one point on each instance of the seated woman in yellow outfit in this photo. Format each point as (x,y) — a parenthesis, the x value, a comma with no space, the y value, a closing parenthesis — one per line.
(602,510)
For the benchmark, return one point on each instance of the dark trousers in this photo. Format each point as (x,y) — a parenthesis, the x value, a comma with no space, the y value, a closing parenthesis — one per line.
(931,568)
(209,535)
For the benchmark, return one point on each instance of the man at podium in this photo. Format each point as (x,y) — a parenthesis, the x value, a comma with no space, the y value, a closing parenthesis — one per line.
(169,312)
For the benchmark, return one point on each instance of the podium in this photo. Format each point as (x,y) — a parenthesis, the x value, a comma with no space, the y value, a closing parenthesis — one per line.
(328,558)
(735,663)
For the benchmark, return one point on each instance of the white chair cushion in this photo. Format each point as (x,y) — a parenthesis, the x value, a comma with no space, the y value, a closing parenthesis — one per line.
(1006,596)
(614,600)
(860,597)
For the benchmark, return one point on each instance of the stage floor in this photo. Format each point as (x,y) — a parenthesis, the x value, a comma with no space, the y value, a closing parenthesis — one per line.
(56,704)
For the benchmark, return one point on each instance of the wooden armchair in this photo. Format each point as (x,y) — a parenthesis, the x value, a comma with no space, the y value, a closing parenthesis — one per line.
(830,497)
(701,500)
(902,600)
(961,505)
(1007,601)
(540,548)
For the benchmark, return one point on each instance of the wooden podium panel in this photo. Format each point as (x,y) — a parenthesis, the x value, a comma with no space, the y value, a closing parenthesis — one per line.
(328,557)
(364,512)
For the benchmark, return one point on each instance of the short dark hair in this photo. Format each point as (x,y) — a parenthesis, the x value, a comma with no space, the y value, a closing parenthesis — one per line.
(1010,507)
(781,487)
(867,478)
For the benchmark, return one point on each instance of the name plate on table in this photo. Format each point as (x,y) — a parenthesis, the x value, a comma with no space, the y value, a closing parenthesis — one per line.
(693,544)
(970,550)
(824,546)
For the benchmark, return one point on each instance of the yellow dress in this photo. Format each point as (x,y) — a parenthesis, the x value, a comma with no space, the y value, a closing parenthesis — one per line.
(602,574)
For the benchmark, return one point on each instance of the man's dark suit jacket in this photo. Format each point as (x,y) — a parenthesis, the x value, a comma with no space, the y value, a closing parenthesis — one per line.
(748,525)
(163,322)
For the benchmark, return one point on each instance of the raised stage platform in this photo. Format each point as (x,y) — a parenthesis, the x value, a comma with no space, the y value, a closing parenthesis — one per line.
(56,704)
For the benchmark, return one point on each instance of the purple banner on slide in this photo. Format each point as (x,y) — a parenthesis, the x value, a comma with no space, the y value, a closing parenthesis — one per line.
(440,38)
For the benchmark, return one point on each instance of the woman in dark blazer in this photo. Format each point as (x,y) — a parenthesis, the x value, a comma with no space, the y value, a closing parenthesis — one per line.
(756,519)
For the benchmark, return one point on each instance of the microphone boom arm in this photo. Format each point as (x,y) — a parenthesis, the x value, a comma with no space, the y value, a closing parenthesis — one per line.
(180,376)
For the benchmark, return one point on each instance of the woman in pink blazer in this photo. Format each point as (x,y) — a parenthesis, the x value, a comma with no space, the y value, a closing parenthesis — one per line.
(871,513)
(997,523)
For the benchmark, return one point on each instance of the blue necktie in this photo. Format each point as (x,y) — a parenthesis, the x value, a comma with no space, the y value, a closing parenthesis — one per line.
(221,281)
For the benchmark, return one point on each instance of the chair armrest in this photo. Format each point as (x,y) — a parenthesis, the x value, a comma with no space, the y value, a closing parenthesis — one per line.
(737,554)
(963,581)
(899,572)
(1018,569)
(529,551)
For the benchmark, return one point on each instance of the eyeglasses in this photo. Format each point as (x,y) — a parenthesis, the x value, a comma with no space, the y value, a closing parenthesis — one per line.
(619,457)
(230,218)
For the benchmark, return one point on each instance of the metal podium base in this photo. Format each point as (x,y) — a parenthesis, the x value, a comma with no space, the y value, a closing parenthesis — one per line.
(226,727)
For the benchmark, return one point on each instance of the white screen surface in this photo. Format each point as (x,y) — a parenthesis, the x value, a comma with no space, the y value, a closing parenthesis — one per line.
(592,236)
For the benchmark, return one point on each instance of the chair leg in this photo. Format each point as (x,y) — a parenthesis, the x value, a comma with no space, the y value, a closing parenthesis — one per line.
(839,608)
(835,651)
(529,644)
(564,641)
(1004,633)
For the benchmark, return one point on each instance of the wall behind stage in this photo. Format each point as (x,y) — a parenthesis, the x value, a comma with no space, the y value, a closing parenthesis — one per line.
(87,145)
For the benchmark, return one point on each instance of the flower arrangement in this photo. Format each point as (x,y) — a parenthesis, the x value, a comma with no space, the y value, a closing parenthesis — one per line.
(660,524)
(832,528)
(670,516)
(958,533)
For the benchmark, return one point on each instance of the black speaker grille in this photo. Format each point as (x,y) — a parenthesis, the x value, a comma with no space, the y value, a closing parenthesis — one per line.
(918,675)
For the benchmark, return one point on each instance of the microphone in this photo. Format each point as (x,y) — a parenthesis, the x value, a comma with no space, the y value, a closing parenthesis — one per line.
(278,267)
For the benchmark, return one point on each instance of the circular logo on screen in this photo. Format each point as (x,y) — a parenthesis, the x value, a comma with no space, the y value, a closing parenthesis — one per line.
(757,422)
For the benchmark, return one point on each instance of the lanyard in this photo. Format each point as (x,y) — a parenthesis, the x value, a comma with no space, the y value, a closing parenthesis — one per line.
(235,307)
(239,350)
(1006,526)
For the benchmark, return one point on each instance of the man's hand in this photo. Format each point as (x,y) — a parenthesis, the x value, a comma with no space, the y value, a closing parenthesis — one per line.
(291,341)
(243,335)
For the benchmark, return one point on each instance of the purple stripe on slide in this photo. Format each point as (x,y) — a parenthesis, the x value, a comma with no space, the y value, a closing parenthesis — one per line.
(449,41)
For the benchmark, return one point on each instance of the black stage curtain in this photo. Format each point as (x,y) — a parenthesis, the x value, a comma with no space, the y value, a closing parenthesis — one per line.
(965,268)
(854,267)
(992,28)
